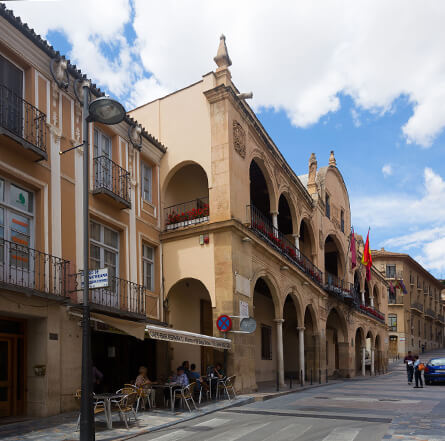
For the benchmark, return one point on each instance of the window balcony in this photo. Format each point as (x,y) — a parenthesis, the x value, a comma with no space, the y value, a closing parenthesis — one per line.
(391,274)
(186,214)
(430,313)
(372,312)
(32,272)
(339,287)
(394,299)
(416,306)
(272,236)
(112,182)
(121,297)
(441,318)
(22,124)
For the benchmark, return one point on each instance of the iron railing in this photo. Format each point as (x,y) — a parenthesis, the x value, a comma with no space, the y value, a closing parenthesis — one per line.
(441,318)
(429,312)
(337,285)
(113,178)
(28,270)
(262,226)
(396,275)
(417,305)
(22,119)
(373,312)
(187,213)
(395,299)
(120,295)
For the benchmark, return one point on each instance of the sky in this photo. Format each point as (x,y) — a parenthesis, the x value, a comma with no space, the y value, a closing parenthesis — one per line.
(363,78)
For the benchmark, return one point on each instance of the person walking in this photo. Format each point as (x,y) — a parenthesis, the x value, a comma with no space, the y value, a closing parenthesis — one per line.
(418,368)
(409,361)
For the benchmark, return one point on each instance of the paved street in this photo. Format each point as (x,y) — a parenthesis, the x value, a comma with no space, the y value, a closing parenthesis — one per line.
(371,409)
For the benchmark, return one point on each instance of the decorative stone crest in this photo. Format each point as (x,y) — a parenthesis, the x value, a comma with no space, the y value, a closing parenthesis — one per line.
(239,139)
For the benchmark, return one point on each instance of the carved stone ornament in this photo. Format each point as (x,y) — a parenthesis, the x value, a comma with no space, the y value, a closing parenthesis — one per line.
(239,139)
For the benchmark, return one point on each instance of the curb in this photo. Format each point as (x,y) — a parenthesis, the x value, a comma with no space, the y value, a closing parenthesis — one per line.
(189,417)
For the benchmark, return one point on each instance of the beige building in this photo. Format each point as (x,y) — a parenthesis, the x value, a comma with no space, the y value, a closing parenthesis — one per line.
(416,317)
(41,232)
(244,235)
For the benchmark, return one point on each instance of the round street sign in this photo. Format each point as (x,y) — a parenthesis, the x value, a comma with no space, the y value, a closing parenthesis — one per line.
(224,323)
(248,324)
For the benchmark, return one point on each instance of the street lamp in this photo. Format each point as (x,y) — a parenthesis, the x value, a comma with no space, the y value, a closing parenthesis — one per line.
(106,111)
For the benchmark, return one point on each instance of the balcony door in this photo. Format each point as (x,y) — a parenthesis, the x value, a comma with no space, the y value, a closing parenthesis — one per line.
(11,94)
(103,156)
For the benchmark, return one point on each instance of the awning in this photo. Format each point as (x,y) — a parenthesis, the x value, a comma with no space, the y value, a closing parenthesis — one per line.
(176,336)
(136,329)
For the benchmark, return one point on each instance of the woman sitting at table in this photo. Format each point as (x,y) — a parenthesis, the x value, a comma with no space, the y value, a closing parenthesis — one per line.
(144,382)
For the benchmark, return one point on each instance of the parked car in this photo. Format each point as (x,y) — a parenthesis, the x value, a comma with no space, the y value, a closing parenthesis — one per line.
(435,370)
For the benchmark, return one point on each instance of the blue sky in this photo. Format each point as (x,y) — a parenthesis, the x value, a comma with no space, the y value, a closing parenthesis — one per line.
(359,82)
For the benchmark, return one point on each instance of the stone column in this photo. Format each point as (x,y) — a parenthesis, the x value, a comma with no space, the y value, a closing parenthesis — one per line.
(301,351)
(297,241)
(371,301)
(372,362)
(280,357)
(274,218)
(363,361)
(363,297)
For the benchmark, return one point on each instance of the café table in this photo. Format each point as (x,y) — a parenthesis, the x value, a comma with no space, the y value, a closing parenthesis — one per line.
(170,386)
(107,398)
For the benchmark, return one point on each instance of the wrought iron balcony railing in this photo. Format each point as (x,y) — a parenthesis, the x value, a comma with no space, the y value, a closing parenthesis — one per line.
(393,275)
(120,296)
(430,313)
(395,299)
(113,180)
(23,122)
(417,305)
(187,213)
(337,286)
(441,318)
(373,312)
(264,229)
(31,271)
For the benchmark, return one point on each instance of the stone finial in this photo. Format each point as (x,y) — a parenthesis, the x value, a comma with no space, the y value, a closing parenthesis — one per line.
(222,58)
(311,185)
(332,160)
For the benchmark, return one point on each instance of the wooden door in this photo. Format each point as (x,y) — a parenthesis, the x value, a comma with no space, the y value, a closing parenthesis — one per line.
(393,350)
(6,379)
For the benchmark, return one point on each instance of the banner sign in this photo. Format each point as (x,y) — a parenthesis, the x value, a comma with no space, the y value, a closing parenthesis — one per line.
(175,336)
(97,278)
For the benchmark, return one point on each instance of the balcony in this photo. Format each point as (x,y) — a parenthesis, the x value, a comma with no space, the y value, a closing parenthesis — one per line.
(372,312)
(22,124)
(32,272)
(339,287)
(394,275)
(112,181)
(416,306)
(121,297)
(186,214)
(395,299)
(430,313)
(441,318)
(263,228)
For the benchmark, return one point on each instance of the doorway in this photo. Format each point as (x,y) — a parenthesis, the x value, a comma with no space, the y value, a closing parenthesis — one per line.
(12,367)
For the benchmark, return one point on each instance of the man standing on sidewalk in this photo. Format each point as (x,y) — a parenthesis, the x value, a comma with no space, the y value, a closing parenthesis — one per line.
(418,368)
(409,361)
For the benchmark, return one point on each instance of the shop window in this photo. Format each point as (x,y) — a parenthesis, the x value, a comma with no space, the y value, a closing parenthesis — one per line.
(392,322)
(266,342)
(328,206)
(391,271)
(147,182)
(148,254)
(104,249)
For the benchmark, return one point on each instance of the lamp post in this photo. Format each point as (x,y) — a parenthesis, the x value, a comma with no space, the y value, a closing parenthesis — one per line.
(106,111)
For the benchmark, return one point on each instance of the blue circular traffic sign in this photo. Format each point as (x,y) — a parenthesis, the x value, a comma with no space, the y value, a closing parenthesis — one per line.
(224,323)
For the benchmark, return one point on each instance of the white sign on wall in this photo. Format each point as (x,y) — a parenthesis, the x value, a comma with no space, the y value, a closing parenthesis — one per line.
(97,278)
(242,285)
(243,309)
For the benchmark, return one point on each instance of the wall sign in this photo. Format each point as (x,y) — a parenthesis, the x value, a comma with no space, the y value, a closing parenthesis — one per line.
(243,309)
(242,285)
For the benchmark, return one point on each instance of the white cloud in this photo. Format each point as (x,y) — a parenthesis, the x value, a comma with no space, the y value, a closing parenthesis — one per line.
(387,170)
(355,118)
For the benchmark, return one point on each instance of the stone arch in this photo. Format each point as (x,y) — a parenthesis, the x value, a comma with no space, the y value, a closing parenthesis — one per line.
(359,344)
(307,238)
(334,256)
(337,344)
(272,283)
(291,342)
(256,164)
(376,296)
(287,215)
(311,344)
(367,291)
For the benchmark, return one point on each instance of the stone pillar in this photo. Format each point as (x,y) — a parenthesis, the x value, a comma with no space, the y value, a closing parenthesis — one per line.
(301,351)
(371,300)
(280,357)
(363,297)
(363,361)
(372,362)
(297,241)
(274,219)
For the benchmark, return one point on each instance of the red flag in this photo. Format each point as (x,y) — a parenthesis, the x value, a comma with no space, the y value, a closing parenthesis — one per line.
(353,250)
(367,258)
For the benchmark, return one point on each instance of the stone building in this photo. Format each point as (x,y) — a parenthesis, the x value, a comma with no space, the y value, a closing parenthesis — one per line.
(41,232)
(416,317)
(244,235)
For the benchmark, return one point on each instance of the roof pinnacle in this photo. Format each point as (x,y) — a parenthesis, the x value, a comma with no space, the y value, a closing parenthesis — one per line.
(222,58)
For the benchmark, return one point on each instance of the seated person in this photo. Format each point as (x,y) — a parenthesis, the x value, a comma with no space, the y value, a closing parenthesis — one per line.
(181,381)
(142,379)
(219,371)
(186,366)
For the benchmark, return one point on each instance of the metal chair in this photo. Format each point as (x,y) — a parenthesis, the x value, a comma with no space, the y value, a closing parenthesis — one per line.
(125,407)
(204,387)
(227,386)
(145,396)
(99,406)
(186,395)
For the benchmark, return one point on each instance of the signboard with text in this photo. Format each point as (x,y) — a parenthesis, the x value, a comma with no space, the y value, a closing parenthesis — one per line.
(98,278)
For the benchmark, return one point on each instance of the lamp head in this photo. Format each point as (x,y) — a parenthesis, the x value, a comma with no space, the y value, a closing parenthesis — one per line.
(106,111)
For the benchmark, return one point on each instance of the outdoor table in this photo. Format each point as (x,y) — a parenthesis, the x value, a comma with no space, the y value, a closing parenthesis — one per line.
(107,398)
(169,386)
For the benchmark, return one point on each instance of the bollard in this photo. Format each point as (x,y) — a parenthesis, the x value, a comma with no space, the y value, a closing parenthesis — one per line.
(319,376)
(311,376)
(326,375)
(301,377)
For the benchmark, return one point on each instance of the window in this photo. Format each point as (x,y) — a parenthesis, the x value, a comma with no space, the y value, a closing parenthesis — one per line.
(146,184)
(391,296)
(102,144)
(104,249)
(148,254)
(392,322)
(266,342)
(328,206)
(391,271)
(342,220)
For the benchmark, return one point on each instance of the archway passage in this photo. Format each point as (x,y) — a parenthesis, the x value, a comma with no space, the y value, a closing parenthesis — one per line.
(190,309)
(367,296)
(332,258)
(311,346)
(259,193)
(379,365)
(265,336)
(376,298)
(306,239)
(336,344)
(359,343)
(290,340)
(369,345)
(285,217)
(186,196)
